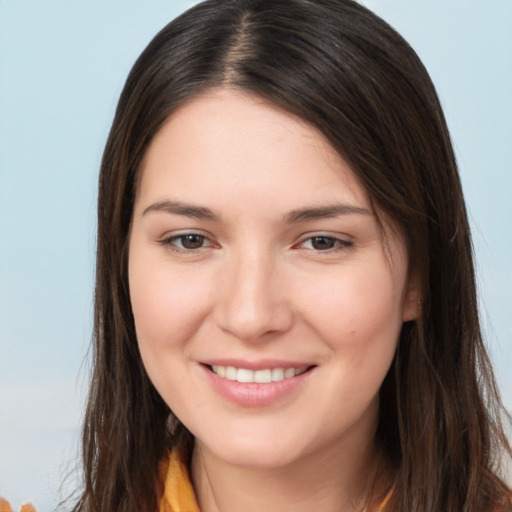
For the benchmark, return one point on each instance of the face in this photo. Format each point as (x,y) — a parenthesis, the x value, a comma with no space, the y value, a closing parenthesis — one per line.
(266,309)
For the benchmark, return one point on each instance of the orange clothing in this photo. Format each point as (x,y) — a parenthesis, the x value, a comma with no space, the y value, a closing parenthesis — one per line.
(179,494)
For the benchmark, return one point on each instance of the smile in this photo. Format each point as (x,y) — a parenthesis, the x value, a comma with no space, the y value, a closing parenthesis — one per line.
(264,376)
(262,384)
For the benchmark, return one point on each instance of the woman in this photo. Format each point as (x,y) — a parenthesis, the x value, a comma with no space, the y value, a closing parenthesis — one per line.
(286,313)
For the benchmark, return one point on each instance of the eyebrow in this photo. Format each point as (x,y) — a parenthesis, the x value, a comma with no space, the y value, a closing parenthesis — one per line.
(299,215)
(324,212)
(177,208)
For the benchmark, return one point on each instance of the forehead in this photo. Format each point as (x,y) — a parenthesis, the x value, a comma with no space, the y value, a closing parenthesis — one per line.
(227,140)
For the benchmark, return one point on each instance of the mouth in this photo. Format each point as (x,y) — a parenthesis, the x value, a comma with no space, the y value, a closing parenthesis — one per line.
(262,384)
(263,376)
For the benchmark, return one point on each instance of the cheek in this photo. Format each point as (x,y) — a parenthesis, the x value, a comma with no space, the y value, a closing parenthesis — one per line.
(359,300)
(168,309)
(167,304)
(358,316)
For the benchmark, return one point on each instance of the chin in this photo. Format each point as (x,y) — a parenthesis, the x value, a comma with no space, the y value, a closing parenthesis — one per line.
(258,458)
(255,452)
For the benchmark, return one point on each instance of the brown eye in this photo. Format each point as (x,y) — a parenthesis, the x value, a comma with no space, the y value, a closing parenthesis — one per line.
(186,242)
(325,243)
(191,241)
(322,243)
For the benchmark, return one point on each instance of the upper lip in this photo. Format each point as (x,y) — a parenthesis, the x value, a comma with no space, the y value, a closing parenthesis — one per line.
(262,364)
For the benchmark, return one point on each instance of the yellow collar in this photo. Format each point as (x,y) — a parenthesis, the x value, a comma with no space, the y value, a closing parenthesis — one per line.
(179,493)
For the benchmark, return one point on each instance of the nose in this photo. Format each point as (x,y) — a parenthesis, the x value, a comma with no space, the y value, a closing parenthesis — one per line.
(253,303)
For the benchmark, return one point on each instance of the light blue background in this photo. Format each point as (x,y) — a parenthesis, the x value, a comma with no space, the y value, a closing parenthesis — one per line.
(62,67)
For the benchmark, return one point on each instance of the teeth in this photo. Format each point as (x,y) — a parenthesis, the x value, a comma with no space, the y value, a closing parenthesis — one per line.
(262,376)
(277,374)
(257,376)
(231,373)
(243,375)
(289,372)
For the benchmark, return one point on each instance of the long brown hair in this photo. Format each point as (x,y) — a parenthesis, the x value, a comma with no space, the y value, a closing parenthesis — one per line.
(340,68)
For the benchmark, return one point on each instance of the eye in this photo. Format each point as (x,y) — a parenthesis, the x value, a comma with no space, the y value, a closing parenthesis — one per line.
(187,242)
(191,241)
(325,243)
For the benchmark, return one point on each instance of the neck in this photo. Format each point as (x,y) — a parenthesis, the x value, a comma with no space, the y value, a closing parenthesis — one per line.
(332,479)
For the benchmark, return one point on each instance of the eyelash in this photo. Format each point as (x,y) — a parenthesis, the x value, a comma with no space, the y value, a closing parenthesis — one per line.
(338,244)
(171,242)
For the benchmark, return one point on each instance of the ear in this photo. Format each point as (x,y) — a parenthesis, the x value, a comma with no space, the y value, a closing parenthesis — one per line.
(412,300)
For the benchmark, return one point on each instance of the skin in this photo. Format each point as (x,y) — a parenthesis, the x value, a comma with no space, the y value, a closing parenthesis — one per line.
(265,283)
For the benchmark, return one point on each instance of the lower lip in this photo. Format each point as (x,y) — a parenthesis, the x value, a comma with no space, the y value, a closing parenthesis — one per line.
(254,394)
